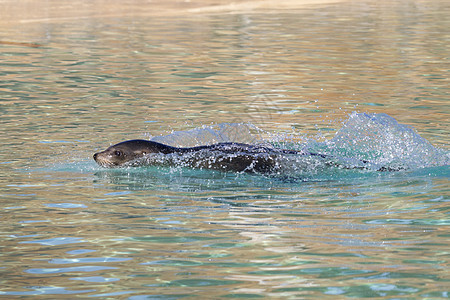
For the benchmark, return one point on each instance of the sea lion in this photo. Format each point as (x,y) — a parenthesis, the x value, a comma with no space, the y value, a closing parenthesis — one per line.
(235,157)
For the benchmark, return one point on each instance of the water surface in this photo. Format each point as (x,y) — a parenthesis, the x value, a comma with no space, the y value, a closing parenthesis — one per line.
(71,86)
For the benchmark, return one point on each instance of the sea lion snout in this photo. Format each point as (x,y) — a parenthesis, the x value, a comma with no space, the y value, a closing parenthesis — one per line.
(100,158)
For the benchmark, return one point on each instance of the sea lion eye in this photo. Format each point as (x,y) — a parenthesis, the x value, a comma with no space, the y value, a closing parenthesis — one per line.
(117,153)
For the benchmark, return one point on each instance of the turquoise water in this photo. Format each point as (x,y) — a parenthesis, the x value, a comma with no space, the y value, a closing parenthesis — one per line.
(357,81)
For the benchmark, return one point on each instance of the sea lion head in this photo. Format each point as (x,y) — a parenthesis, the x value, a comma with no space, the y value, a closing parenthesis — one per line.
(126,152)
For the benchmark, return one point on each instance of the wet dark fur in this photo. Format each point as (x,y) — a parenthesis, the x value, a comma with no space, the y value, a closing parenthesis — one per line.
(235,157)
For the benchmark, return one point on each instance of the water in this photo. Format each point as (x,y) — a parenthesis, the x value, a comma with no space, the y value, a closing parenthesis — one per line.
(76,79)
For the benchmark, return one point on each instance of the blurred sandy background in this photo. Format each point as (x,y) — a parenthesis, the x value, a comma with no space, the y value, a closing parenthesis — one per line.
(28,11)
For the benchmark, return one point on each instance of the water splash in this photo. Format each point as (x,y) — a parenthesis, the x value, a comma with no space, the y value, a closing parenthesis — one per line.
(383,142)
(207,135)
(366,141)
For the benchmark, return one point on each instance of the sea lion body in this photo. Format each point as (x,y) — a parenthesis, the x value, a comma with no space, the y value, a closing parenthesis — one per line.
(234,157)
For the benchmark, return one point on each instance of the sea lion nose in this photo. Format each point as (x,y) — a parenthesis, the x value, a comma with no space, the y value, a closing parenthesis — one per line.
(95,156)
